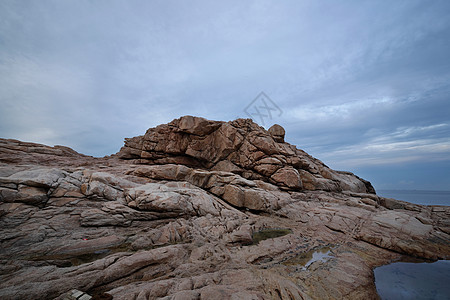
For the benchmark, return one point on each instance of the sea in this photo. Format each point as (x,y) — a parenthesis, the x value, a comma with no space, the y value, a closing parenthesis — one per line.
(420,280)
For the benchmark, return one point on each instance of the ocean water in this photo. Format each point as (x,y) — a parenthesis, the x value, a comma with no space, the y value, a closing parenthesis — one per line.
(417,196)
(402,280)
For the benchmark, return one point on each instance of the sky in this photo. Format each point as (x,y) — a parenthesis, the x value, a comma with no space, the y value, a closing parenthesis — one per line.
(362,85)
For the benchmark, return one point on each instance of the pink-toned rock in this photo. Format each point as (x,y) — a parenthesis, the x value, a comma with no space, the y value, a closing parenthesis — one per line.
(179,211)
(239,146)
(289,177)
(196,125)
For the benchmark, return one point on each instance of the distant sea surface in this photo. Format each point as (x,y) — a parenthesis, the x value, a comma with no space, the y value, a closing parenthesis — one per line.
(417,196)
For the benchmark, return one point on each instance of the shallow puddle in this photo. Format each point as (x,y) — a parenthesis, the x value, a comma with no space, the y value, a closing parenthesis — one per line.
(307,258)
(269,233)
(406,280)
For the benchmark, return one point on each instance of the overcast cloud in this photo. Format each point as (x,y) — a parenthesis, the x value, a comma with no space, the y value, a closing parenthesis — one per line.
(363,85)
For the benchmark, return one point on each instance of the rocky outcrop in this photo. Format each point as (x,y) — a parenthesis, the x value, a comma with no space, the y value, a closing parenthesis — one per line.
(199,209)
(241,147)
(18,152)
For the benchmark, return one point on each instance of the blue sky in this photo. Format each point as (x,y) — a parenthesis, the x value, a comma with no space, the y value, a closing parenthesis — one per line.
(363,85)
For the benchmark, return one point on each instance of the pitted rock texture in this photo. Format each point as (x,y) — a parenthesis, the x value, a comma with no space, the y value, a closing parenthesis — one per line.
(174,214)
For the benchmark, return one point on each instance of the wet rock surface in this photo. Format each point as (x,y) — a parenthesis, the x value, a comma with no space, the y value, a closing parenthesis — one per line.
(199,209)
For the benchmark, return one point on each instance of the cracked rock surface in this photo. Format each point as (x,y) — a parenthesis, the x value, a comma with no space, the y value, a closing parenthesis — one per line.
(199,209)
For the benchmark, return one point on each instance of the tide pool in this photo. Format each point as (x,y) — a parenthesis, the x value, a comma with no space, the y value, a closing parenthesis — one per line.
(404,280)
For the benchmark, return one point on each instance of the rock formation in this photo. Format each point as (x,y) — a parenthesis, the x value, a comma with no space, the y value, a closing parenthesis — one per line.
(199,209)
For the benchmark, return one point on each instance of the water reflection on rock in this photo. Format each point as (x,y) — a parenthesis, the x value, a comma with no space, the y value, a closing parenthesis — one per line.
(308,258)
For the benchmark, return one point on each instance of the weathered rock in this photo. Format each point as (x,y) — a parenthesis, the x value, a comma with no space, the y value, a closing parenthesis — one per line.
(241,147)
(76,295)
(277,133)
(173,199)
(175,215)
(289,177)
(197,126)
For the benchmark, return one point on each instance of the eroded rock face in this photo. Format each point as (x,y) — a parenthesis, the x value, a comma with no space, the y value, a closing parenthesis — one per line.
(241,147)
(173,216)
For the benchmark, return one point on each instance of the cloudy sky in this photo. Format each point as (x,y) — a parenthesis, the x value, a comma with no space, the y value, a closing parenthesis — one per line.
(362,85)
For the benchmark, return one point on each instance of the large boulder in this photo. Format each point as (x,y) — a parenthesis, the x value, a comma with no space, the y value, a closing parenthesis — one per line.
(277,132)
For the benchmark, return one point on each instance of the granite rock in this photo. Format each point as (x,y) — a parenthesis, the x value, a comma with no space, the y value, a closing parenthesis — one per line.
(199,209)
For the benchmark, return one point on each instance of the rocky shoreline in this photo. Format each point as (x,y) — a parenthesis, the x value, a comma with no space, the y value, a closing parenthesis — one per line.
(199,209)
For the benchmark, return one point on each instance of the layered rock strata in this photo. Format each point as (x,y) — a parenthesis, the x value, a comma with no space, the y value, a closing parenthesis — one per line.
(176,213)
